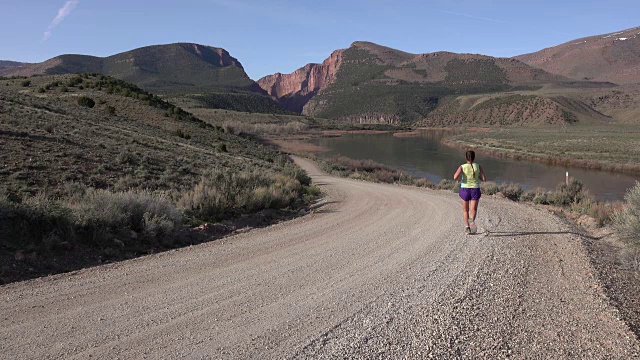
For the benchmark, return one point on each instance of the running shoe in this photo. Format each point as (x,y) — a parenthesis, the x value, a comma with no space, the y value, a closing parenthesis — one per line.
(467,231)
(474,227)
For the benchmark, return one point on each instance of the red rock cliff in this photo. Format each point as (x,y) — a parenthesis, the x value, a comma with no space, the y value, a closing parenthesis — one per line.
(308,79)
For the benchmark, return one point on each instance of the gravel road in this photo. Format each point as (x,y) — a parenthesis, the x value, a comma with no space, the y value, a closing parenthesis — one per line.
(380,271)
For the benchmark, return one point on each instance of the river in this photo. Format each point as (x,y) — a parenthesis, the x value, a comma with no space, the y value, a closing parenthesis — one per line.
(425,156)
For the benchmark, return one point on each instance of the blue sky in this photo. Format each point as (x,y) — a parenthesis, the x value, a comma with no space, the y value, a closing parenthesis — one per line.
(271,36)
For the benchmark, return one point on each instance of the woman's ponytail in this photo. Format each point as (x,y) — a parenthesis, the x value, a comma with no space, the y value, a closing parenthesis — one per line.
(470,155)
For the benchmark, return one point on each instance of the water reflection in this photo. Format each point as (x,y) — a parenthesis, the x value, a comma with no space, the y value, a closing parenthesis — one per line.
(425,156)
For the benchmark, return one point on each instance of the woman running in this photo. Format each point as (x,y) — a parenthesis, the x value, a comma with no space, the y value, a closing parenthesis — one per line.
(472,173)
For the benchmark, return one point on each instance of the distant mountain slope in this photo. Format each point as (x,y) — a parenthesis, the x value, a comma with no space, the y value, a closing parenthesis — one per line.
(172,68)
(207,74)
(512,109)
(372,83)
(295,89)
(7,65)
(613,57)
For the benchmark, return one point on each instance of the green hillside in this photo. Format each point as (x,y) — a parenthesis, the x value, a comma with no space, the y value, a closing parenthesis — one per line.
(364,90)
(237,101)
(94,168)
(171,70)
(370,83)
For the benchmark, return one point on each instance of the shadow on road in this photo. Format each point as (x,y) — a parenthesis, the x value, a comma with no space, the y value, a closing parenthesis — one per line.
(325,211)
(513,233)
(320,207)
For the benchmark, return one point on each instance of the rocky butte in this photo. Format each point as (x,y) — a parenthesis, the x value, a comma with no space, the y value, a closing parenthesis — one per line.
(295,89)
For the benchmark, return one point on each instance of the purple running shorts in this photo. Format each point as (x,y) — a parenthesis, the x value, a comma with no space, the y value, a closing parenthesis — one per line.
(467,194)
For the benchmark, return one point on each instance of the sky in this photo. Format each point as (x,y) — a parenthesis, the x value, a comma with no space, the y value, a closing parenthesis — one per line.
(269,36)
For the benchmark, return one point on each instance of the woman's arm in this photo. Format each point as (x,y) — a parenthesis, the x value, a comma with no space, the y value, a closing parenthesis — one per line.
(457,174)
(482,176)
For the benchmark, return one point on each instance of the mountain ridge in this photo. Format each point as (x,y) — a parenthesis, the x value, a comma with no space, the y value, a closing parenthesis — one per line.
(612,57)
(206,76)
(166,68)
(365,82)
(368,70)
(8,64)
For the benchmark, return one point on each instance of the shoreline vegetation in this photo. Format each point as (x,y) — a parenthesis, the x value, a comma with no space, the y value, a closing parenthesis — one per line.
(573,196)
(633,169)
(578,147)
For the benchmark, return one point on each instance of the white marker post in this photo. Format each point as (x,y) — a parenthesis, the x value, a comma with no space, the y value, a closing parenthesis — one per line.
(567,178)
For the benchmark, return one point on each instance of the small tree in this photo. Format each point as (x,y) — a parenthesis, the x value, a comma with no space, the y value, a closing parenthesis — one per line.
(26,83)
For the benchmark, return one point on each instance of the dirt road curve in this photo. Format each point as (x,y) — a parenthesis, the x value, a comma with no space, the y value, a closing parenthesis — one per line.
(381,272)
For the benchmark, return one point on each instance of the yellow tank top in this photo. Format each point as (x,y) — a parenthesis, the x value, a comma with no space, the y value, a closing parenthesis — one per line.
(470,176)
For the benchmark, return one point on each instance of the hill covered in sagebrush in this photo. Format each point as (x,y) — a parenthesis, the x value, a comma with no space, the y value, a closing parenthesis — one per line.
(205,73)
(96,166)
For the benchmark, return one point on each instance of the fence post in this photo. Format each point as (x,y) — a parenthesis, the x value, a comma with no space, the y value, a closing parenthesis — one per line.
(567,179)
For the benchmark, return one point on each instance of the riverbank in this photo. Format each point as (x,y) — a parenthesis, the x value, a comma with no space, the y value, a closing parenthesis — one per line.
(300,144)
(613,148)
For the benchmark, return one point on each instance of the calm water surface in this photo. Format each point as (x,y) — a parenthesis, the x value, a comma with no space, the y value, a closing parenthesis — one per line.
(424,156)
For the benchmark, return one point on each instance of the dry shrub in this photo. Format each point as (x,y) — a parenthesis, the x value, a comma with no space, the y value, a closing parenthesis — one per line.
(100,211)
(447,184)
(489,188)
(387,176)
(221,195)
(511,191)
(540,196)
(422,182)
(238,127)
(29,223)
(365,170)
(566,195)
(342,163)
(603,212)
(627,220)
(631,257)
(89,215)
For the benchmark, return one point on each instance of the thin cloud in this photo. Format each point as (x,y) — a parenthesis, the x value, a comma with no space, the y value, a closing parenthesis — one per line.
(63,12)
(474,17)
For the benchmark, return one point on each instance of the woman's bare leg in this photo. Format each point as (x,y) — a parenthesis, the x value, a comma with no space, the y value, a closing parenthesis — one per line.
(474,209)
(465,212)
